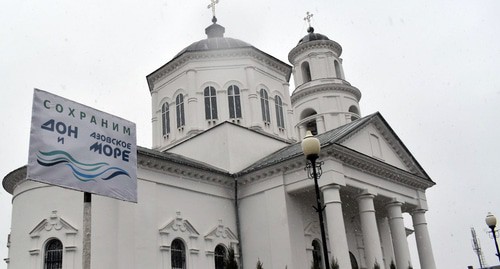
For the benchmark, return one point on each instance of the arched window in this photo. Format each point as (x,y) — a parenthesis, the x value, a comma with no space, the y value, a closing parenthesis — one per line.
(306,72)
(219,255)
(264,105)
(210,103)
(280,120)
(179,109)
(233,96)
(165,119)
(354,110)
(337,69)
(316,253)
(53,254)
(178,254)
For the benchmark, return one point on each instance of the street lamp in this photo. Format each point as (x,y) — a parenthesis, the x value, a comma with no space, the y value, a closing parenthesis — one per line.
(311,149)
(491,221)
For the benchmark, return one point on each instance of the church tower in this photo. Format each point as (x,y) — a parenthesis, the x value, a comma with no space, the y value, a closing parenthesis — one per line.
(322,100)
(219,79)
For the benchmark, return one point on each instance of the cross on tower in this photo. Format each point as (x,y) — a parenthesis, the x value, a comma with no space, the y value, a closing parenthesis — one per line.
(212,6)
(308,18)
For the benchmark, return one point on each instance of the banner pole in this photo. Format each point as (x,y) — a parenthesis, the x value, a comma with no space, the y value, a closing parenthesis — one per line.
(87,231)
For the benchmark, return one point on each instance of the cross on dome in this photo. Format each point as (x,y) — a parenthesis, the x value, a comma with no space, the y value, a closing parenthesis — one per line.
(308,18)
(212,6)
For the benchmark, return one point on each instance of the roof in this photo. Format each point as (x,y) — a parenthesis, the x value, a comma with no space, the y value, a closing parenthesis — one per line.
(312,36)
(295,150)
(335,136)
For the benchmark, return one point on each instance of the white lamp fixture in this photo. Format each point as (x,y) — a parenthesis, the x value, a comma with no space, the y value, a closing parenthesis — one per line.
(310,145)
(491,220)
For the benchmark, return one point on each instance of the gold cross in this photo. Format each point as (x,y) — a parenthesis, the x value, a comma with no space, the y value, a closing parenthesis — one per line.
(308,18)
(212,6)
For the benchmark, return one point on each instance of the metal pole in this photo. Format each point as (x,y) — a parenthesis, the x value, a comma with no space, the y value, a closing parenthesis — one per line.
(320,209)
(87,231)
(495,238)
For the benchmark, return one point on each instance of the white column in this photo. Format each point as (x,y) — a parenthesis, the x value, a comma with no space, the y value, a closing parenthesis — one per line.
(398,234)
(373,250)
(335,225)
(386,241)
(422,237)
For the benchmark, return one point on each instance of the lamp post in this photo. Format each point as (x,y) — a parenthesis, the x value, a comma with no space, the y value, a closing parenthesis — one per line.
(311,149)
(491,221)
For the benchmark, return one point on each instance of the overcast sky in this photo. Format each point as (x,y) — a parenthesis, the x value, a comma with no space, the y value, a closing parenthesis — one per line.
(432,69)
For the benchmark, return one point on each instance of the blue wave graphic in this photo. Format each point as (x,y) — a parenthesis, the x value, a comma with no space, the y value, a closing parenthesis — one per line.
(81,171)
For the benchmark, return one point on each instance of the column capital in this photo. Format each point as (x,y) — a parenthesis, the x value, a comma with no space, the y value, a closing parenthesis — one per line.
(418,211)
(364,195)
(330,186)
(393,203)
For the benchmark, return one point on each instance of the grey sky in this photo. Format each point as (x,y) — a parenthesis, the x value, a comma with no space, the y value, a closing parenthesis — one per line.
(430,67)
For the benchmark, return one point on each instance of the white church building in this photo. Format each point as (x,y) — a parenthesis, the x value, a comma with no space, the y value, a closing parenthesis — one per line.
(226,170)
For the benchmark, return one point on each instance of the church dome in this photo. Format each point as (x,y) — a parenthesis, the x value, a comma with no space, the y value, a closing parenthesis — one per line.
(215,41)
(312,36)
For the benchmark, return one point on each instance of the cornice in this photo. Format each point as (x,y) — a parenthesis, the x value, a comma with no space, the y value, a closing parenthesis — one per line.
(265,59)
(378,168)
(347,157)
(326,87)
(184,170)
(12,179)
(317,44)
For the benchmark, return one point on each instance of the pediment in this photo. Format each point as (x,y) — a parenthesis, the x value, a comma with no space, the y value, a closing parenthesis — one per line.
(377,140)
(53,223)
(179,225)
(222,232)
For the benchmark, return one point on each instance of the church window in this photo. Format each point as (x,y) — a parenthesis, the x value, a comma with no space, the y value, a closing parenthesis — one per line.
(220,256)
(354,110)
(178,256)
(210,103)
(264,105)
(337,69)
(179,109)
(309,117)
(316,254)
(279,112)
(306,72)
(233,96)
(53,254)
(165,119)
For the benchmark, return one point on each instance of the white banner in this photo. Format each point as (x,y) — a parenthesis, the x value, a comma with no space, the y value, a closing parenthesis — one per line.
(78,147)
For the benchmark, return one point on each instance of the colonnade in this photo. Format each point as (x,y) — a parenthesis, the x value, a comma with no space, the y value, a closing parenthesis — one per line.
(370,234)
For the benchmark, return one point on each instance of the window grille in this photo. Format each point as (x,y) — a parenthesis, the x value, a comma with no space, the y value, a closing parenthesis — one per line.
(178,254)
(53,254)
(233,95)
(210,103)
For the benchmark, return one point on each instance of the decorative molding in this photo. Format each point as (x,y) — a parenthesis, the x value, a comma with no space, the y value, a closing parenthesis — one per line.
(222,232)
(14,178)
(178,224)
(312,229)
(209,55)
(157,163)
(317,44)
(54,222)
(324,87)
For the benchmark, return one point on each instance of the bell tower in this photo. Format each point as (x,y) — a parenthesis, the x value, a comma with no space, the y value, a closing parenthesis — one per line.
(322,100)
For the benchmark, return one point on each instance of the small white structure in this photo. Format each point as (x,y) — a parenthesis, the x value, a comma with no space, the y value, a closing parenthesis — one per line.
(226,171)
